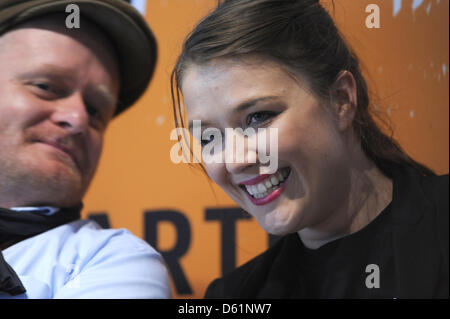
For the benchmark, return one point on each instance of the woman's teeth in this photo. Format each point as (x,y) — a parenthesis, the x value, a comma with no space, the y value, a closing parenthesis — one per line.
(268,185)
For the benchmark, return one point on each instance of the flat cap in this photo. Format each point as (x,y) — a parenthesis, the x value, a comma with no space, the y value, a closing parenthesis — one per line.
(126,28)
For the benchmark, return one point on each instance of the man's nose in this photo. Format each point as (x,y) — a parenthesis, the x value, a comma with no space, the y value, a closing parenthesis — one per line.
(71,114)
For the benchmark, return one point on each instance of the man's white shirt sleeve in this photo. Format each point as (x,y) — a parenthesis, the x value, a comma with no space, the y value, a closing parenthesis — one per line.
(81,260)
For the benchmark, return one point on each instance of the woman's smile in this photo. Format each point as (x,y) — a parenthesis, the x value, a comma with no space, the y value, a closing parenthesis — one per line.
(264,189)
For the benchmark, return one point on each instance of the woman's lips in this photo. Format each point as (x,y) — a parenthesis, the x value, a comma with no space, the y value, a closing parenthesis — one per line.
(265,188)
(255,180)
(269,198)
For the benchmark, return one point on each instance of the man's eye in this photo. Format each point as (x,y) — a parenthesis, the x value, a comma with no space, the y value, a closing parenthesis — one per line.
(92,111)
(259,118)
(46,90)
(43,86)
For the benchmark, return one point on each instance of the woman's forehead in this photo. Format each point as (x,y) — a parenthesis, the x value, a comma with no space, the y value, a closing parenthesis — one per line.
(218,93)
(229,84)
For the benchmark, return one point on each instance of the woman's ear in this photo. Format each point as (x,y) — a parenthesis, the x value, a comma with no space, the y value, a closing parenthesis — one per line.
(344,99)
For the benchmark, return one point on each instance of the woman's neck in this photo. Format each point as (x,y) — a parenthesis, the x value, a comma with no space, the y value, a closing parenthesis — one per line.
(370,192)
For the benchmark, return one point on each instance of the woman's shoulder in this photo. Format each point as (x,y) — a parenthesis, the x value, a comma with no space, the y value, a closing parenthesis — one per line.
(430,190)
(436,187)
(243,281)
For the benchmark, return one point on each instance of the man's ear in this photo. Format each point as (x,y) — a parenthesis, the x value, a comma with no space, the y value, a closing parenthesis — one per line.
(344,99)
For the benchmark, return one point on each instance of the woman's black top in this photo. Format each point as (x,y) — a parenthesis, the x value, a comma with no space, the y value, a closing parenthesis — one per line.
(402,253)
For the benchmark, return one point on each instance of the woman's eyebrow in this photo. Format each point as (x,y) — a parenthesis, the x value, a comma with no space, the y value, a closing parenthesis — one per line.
(247,104)
(191,124)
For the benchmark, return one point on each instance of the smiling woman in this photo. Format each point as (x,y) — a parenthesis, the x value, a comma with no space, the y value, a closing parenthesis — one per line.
(345,194)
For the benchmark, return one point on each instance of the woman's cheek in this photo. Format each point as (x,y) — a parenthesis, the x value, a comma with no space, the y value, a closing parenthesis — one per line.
(217,172)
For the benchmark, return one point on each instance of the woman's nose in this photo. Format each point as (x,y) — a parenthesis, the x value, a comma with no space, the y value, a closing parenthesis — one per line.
(240,154)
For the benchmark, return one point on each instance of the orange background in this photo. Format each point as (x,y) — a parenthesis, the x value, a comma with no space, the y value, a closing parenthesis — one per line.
(406,64)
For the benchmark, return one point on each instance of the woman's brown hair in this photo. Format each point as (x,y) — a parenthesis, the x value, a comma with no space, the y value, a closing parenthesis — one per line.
(300,36)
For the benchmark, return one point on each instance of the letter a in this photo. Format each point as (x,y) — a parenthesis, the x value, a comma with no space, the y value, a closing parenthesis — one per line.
(373,280)
(179,153)
(73,19)
(373,19)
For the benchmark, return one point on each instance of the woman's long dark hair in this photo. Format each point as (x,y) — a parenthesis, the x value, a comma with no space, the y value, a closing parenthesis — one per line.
(300,36)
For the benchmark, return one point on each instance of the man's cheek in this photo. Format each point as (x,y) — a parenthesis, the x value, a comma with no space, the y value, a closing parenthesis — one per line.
(93,157)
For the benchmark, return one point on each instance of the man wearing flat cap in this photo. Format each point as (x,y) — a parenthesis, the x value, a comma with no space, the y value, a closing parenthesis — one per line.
(59,89)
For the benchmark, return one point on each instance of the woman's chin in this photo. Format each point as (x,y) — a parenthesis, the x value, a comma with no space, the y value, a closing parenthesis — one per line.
(279,222)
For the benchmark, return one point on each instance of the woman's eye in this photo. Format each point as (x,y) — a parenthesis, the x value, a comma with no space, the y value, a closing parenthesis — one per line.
(206,141)
(259,118)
